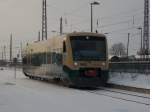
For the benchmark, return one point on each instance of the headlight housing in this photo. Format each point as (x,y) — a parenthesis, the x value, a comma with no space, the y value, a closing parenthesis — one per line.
(103,64)
(75,63)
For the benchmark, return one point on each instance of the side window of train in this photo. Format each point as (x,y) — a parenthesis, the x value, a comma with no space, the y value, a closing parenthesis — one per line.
(59,59)
(24,60)
(64,46)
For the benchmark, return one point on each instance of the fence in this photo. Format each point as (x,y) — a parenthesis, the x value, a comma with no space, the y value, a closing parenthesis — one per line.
(132,67)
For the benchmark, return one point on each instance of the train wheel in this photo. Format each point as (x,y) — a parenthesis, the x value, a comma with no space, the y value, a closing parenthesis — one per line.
(30,77)
(56,79)
(67,83)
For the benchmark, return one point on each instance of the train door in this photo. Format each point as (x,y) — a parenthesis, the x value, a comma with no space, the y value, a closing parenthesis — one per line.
(64,51)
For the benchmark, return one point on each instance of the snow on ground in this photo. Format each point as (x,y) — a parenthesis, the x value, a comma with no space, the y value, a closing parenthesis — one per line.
(26,95)
(131,79)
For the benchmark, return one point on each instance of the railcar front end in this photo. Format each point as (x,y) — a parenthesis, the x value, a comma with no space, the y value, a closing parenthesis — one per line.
(86,59)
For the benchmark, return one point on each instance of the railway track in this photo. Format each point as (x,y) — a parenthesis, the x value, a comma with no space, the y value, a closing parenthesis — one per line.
(123,92)
(128,88)
(122,95)
(114,91)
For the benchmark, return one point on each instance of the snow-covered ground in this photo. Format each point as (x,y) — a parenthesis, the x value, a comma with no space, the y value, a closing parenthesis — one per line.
(131,79)
(25,95)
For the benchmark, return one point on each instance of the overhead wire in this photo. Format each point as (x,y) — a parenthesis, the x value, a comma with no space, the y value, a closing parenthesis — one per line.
(124,14)
(71,13)
(128,13)
(112,24)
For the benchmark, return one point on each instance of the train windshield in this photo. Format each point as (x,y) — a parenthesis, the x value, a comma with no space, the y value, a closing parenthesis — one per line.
(88,48)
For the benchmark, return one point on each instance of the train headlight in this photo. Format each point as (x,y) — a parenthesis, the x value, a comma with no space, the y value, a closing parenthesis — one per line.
(75,63)
(103,64)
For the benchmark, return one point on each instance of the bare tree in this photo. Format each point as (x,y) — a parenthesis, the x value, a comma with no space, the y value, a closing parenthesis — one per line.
(118,49)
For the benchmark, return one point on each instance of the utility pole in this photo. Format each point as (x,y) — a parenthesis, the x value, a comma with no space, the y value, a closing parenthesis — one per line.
(10,48)
(4,52)
(44,20)
(61,26)
(146,30)
(93,3)
(21,49)
(133,20)
(91,17)
(141,48)
(39,36)
(128,44)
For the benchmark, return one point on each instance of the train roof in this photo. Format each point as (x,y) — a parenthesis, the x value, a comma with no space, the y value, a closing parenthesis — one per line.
(86,33)
(54,43)
(44,46)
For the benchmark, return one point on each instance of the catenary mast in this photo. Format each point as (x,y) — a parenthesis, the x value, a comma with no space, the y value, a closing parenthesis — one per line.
(146,30)
(44,20)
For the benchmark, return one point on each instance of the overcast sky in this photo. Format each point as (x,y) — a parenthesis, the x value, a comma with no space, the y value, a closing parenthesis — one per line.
(22,18)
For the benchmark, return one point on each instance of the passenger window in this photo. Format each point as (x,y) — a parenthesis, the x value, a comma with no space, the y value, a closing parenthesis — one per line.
(64,47)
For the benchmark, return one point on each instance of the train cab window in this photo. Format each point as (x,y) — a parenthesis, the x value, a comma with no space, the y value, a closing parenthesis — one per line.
(24,60)
(64,47)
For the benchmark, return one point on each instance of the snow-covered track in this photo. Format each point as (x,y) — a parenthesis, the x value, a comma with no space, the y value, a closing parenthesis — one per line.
(122,95)
(124,92)
(128,88)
